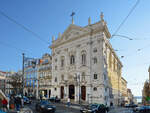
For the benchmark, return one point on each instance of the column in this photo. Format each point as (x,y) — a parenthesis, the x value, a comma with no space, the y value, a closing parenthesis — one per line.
(66,95)
(48,93)
(76,93)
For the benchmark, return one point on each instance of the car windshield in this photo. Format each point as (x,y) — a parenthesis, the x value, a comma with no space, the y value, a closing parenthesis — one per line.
(45,102)
(93,106)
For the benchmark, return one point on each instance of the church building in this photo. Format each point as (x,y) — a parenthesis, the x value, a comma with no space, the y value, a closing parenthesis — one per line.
(83,62)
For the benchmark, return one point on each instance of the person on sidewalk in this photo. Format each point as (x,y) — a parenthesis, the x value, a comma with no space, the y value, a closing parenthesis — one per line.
(11,102)
(4,103)
(17,103)
(22,102)
(68,102)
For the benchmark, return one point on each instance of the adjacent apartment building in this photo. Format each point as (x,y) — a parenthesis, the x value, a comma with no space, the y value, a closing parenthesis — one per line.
(45,76)
(2,81)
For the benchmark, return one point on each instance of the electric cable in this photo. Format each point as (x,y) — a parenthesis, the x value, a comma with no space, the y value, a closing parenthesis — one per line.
(23,26)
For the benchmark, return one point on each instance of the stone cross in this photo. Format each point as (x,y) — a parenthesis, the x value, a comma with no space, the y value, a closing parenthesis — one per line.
(102,16)
(72,14)
(89,21)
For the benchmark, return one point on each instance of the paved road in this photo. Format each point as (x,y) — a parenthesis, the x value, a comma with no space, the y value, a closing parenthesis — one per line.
(60,108)
(121,110)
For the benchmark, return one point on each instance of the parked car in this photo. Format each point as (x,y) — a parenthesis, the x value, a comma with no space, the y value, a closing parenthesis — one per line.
(94,108)
(142,109)
(45,107)
(26,100)
(30,96)
(131,105)
(54,99)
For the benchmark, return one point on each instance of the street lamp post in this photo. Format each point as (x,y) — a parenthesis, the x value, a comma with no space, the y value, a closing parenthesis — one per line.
(22,72)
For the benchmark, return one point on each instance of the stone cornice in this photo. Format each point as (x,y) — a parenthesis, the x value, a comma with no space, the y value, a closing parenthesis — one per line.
(86,30)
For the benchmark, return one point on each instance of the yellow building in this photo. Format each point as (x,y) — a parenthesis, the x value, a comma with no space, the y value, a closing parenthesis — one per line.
(124,97)
(114,70)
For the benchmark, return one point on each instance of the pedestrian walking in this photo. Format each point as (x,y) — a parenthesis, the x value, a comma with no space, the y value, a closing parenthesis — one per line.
(17,103)
(68,102)
(22,102)
(5,103)
(11,103)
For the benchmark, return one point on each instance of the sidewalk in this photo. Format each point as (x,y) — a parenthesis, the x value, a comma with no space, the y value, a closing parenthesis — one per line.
(22,110)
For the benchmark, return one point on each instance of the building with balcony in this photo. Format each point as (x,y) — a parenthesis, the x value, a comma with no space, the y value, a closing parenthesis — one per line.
(2,81)
(45,76)
(31,77)
(8,80)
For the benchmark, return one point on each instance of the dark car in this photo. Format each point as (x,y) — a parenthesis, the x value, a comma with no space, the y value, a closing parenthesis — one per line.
(131,105)
(142,109)
(26,100)
(45,107)
(94,108)
(54,99)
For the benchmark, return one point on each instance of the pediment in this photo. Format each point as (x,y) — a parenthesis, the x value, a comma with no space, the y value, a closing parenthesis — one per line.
(73,31)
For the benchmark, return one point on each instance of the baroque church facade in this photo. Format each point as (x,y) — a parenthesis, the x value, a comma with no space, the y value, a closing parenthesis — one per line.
(83,61)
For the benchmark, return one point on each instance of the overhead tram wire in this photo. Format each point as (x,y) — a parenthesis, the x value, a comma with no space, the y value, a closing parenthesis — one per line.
(13,47)
(133,8)
(135,51)
(24,27)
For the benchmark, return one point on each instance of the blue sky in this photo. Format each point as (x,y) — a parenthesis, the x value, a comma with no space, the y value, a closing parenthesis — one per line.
(49,17)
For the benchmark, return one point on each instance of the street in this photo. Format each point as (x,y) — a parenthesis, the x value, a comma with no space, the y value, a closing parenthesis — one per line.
(61,108)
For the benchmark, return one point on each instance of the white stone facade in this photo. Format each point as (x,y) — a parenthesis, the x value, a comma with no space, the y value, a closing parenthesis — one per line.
(78,60)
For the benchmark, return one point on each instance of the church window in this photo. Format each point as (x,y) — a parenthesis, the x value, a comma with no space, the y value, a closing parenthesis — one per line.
(55,79)
(104,76)
(62,61)
(95,88)
(72,59)
(95,76)
(95,50)
(83,59)
(95,60)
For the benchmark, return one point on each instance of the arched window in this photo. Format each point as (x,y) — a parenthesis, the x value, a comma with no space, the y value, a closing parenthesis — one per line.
(62,61)
(95,50)
(72,59)
(95,76)
(95,88)
(83,59)
(55,79)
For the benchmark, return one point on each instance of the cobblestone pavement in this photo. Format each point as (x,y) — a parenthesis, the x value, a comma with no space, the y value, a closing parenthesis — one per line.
(121,110)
